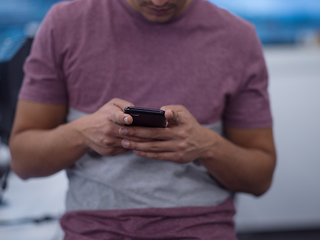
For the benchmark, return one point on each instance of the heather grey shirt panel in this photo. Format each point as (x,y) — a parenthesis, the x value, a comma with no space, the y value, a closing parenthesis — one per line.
(127,181)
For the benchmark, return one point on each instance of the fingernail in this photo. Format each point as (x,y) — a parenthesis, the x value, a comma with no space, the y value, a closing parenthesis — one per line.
(125,143)
(136,151)
(126,120)
(123,131)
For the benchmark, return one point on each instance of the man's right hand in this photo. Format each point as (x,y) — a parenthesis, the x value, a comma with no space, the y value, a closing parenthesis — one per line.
(100,130)
(41,144)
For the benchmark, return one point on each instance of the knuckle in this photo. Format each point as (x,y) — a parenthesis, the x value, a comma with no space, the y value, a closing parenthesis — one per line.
(108,142)
(182,134)
(183,146)
(114,100)
(108,131)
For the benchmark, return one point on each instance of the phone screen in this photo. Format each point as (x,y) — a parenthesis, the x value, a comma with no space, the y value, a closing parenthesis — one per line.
(147,117)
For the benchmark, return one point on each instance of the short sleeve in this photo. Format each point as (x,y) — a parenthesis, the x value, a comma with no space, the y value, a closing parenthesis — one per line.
(43,81)
(249,106)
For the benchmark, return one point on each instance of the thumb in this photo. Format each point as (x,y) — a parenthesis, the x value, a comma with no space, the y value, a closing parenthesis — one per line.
(172,116)
(118,116)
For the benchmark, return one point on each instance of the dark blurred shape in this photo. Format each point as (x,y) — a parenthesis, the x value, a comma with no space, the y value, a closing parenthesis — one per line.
(4,169)
(4,173)
(12,58)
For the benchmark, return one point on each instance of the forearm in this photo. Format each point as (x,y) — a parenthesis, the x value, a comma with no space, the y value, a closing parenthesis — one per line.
(37,153)
(239,169)
(41,145)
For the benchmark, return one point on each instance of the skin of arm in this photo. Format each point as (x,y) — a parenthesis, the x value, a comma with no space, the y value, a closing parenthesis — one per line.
(41,143)
(244,162)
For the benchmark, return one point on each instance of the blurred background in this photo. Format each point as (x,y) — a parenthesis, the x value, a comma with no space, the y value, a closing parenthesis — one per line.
(290,33)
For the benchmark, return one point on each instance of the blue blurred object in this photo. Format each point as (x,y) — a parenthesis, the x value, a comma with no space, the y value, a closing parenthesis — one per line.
(19,19)
(15,13)
(277,21)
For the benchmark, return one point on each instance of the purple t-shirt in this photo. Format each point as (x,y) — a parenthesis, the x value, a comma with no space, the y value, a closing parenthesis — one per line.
(90,51)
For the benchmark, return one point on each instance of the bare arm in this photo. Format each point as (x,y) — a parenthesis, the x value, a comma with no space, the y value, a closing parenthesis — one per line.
(245,161)
(41,144)
(242,163)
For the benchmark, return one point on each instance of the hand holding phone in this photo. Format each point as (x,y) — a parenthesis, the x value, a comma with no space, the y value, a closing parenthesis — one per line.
(147,117)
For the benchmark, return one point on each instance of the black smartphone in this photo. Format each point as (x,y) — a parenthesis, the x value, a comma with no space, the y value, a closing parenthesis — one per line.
(147,117)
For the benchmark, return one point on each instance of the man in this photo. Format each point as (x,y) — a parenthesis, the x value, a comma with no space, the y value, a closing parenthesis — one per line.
(202,65)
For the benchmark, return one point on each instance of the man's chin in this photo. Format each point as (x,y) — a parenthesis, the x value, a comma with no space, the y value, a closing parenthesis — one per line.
(158,19)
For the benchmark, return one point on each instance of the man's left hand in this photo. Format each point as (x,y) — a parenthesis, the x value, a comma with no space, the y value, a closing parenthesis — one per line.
(182,141)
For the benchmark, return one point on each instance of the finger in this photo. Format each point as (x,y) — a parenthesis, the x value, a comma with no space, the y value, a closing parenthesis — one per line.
(114,132)
(145,133)
(107,142)
(163,156)
(134,139)
(119,117)
(153,146)
(173,116)
(108,146)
